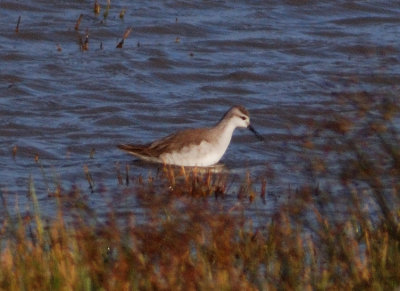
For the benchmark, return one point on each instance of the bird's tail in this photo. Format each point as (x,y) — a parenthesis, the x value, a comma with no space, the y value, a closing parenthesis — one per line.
(131,148)
(140,151)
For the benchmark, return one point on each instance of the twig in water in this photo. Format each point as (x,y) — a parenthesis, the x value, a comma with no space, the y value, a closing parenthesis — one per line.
(78,22)
(127,174)
(92,152)
(96,7)
(85,44)
(122,13)
(105,14)
(119,177)
(18,22)
(14,152)
(126,34)
(89,178)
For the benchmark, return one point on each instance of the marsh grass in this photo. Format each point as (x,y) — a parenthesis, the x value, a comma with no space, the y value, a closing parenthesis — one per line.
(187,237)
(184,242)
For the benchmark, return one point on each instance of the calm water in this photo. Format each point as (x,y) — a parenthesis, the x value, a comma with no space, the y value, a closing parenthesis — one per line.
(183,65)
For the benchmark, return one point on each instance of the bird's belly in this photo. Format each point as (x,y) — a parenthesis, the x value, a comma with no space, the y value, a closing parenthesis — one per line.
(203,155)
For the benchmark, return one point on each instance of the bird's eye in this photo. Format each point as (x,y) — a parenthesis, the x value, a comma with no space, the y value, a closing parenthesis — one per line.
(243,117)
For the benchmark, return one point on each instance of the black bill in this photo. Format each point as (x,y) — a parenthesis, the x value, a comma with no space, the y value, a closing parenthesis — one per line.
(255,133)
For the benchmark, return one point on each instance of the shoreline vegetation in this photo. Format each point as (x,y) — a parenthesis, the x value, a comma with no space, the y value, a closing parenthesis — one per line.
(325,236)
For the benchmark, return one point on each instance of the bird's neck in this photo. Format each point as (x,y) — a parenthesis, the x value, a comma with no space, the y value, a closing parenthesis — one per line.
(225,129)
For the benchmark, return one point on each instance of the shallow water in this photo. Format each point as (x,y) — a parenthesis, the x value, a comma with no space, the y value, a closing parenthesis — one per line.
(183,65)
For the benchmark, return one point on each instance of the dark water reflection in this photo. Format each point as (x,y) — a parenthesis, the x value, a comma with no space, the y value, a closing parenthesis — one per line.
(183,65)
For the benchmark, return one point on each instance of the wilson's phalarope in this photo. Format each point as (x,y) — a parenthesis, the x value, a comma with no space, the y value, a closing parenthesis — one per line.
(201,147)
